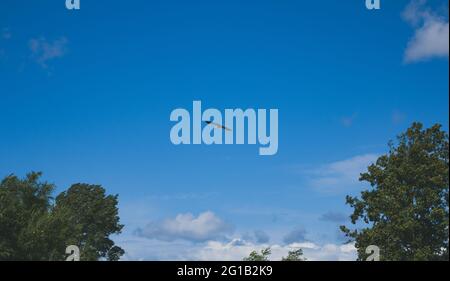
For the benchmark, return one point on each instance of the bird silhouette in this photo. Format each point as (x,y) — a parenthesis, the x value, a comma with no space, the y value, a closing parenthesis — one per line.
(217,125)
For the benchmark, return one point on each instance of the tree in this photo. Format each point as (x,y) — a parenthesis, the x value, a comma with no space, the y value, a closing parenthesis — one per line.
(406,212)
(262,256)
(35,226)
(94,216)
(24,208)
(296,255)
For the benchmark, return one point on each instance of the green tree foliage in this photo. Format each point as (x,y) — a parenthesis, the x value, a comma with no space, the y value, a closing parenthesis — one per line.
(262,256)
(36,226)
(406,212)
(296,255)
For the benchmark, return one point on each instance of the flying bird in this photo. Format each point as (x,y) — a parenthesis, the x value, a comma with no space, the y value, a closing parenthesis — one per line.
(218,125)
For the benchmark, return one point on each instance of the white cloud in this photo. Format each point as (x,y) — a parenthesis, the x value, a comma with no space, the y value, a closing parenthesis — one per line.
(431,38)
(207,226)
(331,252)
(215,250)
(339,175)
(43,51)
(430,41)
(231,251)
(312,252)
(415,11)
(234,250)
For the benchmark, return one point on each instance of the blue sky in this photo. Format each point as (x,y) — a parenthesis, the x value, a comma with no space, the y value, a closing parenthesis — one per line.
(86,97)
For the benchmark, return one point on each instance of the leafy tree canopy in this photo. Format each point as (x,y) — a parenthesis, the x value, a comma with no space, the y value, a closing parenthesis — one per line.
(36,226)
(405,212)
(296,255)
(263,255)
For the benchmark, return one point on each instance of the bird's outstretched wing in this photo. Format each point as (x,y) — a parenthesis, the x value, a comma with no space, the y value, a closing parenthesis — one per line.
(218,125)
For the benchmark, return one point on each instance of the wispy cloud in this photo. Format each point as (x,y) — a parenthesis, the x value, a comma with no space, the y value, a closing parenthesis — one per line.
(261,236)
(335,217)
(206,226)
(258,236)
(340,175)
(43,51)
(295,236)
(431,38)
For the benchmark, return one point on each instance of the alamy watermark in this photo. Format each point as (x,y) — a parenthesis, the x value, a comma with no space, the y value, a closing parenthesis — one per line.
(215,132)
(370,4)
(73,4)
(373,4)
(73,253)
(374,253)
